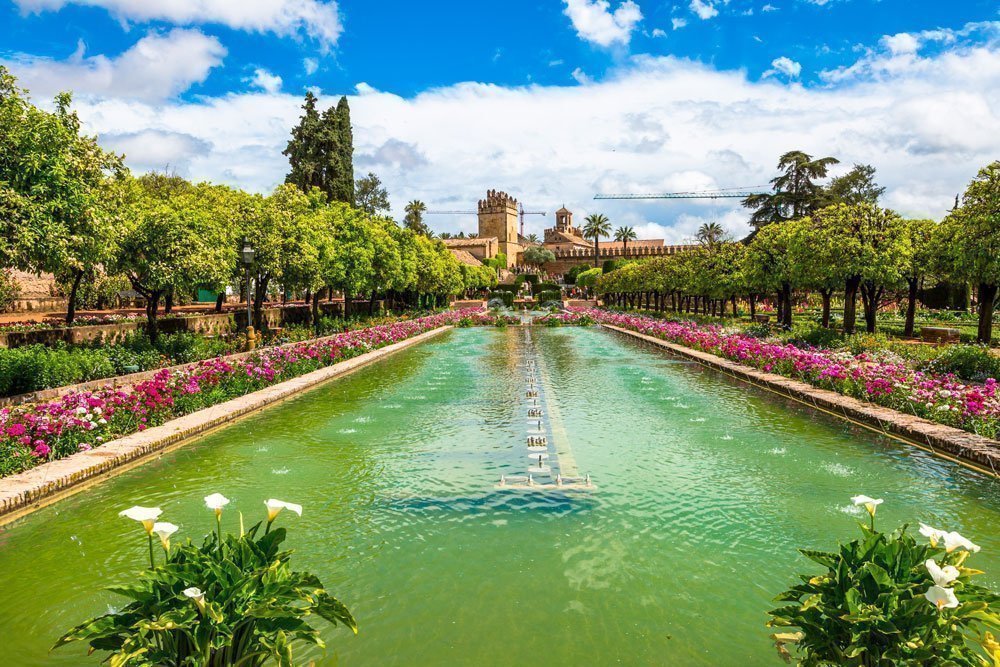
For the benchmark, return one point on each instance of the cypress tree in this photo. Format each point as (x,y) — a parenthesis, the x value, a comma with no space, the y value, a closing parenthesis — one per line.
(303,150)
(344,191)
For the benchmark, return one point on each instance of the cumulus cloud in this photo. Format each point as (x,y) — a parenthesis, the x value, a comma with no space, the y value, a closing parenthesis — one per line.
(705,9)
(158,66)
(654,124)
(266,81)
(785,66)
(581,77)
(678,23)
(314,18)
(595,22)
(310,65)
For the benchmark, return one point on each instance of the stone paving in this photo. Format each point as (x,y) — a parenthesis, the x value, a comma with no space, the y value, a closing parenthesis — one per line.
(27,491)
(942,440)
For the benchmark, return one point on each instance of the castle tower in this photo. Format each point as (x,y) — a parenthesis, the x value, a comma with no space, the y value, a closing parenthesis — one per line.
(564,220)
(498,216)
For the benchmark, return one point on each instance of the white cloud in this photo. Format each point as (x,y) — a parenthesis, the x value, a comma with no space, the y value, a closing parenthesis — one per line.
(316,19)
(156,67)
(310,65)
(270,83)
(594,21)
(678,23)
(659,32)
(581,77)
(785,66)
(768,8)
(655,124)
(902,42)
(705,9)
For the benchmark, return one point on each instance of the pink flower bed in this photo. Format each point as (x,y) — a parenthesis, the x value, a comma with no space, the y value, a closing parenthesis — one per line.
(940,398)
(30,435)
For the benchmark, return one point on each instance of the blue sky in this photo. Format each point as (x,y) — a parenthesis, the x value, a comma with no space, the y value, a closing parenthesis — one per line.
(552,100)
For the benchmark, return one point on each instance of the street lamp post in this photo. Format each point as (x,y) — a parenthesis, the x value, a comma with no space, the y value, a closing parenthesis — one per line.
(247,254)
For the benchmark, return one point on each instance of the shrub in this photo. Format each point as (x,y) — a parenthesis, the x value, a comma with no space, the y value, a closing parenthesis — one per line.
(757,330)
(889,599)
(969,362)
(570,277)
(537,288)
(506,296)
(816,336)
(611,265)
(866,342)
(549,295)
(10,291)
(531,278)
(235,600)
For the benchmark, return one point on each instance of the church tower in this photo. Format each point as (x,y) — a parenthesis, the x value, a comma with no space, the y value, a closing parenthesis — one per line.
(498,216)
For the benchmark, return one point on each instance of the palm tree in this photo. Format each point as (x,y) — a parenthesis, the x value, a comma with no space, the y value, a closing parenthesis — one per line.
(414,218)
(624,235)
(710,233)
(795,194)
(533,238)
(596,225)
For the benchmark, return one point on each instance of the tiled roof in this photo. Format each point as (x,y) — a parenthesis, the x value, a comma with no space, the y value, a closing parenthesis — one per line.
(464,243)
(465,257)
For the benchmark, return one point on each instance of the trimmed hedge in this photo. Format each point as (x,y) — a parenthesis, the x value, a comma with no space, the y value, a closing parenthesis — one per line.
(504,295)
(549,295)
(544,287)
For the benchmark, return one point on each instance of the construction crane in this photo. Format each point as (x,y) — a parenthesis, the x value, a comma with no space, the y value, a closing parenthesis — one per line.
(520,210)
(723,193)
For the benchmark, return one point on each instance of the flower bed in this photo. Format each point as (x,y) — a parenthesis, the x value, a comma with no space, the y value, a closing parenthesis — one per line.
(32,435)
(941,398)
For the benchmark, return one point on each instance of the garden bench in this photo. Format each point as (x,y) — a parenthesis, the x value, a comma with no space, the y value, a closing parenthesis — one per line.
(940,335)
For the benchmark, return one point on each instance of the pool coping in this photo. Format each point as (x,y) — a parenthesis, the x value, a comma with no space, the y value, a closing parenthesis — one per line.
(967,449)
(50,482)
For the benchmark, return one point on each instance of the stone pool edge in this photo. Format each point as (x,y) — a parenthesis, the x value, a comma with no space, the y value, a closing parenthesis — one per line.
(961,446)
(41,486)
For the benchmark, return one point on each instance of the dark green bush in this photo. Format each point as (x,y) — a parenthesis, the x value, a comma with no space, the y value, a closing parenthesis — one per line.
(505,296)
(544,287)
(549,295)
(814,335)
(613,265)
(974,363)
(570,277)
(34,367)
(531,278)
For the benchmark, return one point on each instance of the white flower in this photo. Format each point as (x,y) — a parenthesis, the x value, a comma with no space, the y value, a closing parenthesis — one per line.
(81,410)
(954,541)
(194,593)
(869,503)
(934,534)
(98,411)
(941,597)
(944,393)
(275,506)
(164,530)
(145,515)
(216,502)
(942,576)
(102,421)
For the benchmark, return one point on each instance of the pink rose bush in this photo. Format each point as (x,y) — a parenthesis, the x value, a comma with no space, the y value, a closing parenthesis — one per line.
(893,384)
(33,434)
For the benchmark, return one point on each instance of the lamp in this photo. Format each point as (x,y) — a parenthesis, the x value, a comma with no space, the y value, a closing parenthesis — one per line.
(247,253)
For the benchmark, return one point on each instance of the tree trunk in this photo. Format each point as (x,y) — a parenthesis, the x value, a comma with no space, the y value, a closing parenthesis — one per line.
(735,312)
(219,300)
(987,298)
(168,304)
(71,306)
(851,304)
(826,294)
(152,306)
(347,304)
(786,320)
(753,306)
(258,302)
(371,304)
(314,309)
(912,284)
(871,294)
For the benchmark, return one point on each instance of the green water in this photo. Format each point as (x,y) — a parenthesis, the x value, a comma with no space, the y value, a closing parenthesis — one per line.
(704,489)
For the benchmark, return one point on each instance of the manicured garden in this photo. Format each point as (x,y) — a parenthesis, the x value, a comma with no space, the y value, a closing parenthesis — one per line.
(33,434)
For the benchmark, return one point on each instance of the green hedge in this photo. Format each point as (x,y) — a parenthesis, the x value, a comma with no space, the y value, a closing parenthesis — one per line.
(544,287)
(549,295)
(531,278)
(504,295)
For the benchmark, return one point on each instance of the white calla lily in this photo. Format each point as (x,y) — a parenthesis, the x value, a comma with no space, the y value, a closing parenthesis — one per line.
(869,502)
(954,541)
(164,530)
(942,576)
(216,502)
(942,598)
(197,596)
(274,507)
(935,535)
(147,516)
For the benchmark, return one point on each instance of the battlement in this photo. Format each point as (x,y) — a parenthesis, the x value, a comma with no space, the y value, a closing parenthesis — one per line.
(497,201)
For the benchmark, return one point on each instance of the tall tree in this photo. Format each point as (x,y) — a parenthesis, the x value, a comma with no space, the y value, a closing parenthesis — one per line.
(969,240)
(371,197)
(857,186)
(796,194)
(414,218)
(922,258)
(595,226)
(710,233)
(320,152)
(624,235)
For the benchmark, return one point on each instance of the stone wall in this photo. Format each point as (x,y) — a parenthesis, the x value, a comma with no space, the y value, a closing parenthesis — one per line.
(567,259)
